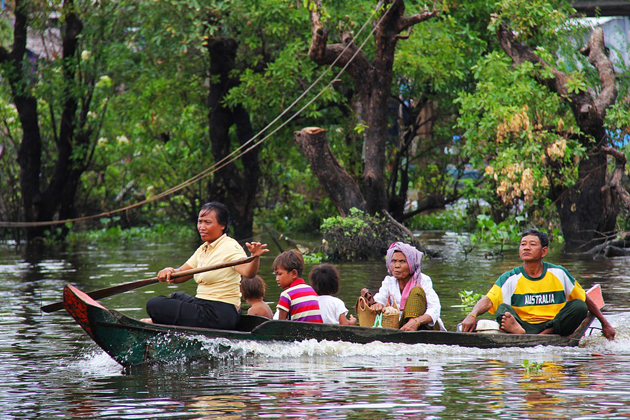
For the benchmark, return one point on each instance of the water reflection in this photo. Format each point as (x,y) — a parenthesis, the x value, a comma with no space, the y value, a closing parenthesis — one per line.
(332,380)
(50,368)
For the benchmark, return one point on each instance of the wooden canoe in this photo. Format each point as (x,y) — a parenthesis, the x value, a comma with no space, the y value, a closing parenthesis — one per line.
(131,342)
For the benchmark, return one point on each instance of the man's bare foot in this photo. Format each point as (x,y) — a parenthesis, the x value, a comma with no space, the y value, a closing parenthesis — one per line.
(147,320)
(510,325)
(547,331)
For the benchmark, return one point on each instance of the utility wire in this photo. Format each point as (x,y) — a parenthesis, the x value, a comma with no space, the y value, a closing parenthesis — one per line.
(236,154)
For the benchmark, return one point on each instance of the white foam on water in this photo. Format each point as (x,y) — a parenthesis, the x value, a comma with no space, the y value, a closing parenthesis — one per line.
(596,342)
(378,350)
(95,363)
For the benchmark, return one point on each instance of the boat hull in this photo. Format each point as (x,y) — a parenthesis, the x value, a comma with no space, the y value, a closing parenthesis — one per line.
(131,342)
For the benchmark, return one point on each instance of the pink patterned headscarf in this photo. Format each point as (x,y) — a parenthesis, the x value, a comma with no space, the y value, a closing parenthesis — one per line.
(414,259)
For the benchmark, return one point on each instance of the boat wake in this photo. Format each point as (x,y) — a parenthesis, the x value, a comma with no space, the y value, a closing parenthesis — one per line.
(97,363)
(594,343)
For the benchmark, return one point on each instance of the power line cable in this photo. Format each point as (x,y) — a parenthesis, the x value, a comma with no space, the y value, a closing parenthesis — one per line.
(230,158)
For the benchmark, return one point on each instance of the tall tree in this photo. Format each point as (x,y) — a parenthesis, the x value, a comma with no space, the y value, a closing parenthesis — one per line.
(207,53)
(546,131)
(49,192)
(588,210)
(233,184)
(372,83)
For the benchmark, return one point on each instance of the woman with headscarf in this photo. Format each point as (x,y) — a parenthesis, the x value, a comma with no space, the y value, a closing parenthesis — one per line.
(410,288)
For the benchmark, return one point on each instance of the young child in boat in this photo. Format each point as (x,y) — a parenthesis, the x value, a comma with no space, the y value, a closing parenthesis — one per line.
(325,281)
(298,301)
(253,291)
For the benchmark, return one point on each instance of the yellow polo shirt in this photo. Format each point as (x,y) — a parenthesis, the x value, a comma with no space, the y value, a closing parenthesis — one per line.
(221,285)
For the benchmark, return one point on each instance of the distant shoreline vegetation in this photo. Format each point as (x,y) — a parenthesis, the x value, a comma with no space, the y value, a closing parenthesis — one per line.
(116,233)
(455,219)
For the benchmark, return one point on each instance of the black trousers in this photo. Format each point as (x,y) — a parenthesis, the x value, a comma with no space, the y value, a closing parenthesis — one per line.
(185,310)
(568,319)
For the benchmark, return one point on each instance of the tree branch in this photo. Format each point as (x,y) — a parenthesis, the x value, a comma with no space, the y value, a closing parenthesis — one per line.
(20,31)
(596,53)
(615,182)
(408,21)
(342,189)
(323,54)
(582,103)
(520,53)
(4,55)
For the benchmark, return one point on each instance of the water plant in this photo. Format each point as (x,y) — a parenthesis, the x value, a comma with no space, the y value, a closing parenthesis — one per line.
(361,236)
(532,367)
(313,257)
(504,232)
(469,299)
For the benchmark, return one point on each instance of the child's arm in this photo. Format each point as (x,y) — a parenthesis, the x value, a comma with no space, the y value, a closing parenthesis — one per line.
(347,321)
(282,314)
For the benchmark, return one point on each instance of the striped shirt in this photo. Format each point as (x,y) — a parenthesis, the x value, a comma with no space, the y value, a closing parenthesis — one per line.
(299,300)
(539,299)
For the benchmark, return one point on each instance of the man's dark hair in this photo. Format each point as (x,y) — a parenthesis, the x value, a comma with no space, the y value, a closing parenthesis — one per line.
(544,239)
(289,261)
(221,211)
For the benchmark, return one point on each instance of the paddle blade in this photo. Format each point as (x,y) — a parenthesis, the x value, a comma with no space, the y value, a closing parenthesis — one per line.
(103,293)
(595,293)
(53,307)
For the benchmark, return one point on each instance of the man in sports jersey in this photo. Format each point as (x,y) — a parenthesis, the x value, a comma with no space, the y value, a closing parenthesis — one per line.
(537,297)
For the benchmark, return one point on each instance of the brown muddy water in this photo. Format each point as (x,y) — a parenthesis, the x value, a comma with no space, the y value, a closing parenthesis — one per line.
(50,369)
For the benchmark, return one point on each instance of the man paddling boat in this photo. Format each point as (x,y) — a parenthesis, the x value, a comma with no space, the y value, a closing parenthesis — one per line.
(537,297)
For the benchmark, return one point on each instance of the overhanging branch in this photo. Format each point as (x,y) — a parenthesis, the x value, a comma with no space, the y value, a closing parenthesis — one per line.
(520,52)
(596,53)
(409,21)
(323,54)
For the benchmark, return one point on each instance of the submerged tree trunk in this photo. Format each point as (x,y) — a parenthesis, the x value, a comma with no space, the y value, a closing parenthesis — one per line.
(30,149)
(42,203)
(234,187)
(588,210)
(372,83)
(72,137)
(342,189)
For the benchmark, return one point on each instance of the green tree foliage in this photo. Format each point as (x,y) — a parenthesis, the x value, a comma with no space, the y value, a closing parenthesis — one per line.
(432,68)
(518,134)
(10,201)
(141,77)
(155,134)
(519,131)
(59,98)
(163,110)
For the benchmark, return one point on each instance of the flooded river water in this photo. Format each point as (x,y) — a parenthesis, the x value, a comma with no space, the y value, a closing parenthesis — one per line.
(50,369)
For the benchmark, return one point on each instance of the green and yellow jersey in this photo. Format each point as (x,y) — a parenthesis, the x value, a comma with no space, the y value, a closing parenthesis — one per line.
(539,299)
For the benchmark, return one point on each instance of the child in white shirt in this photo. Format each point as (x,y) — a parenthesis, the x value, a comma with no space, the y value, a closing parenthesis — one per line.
(324,279)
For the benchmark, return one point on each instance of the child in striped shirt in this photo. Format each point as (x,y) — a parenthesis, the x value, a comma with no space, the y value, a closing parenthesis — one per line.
(298,300)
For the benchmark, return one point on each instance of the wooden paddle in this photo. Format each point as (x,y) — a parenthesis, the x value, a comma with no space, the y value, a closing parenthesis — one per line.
(124,287)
